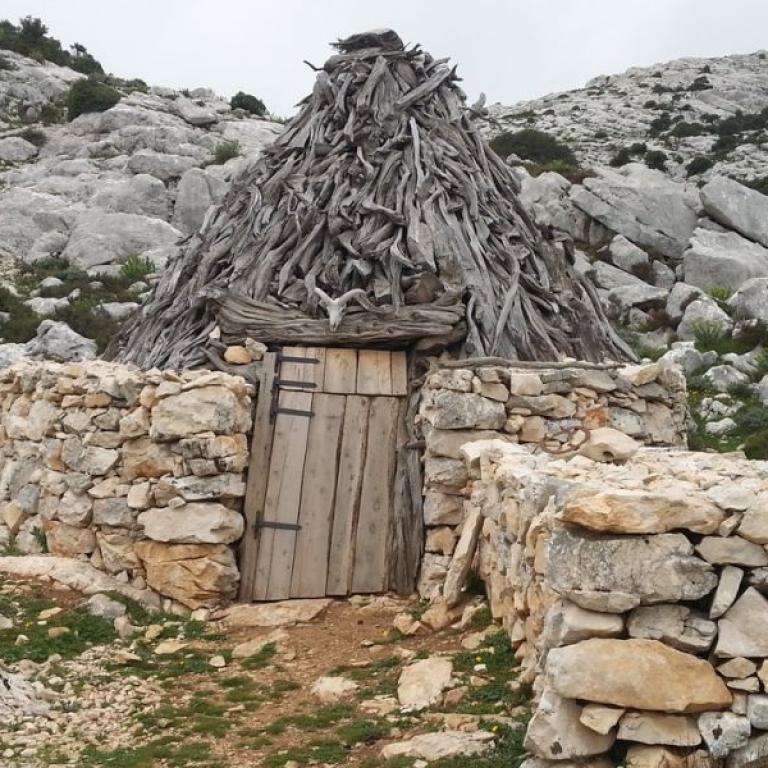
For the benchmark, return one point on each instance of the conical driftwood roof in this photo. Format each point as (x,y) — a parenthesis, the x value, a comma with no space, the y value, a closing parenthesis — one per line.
(379,216)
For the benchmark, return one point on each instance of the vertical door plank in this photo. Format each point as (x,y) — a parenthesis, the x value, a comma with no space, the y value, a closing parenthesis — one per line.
(318,488)
(258,473)
(373,372)
(369,573)
(340,371)
(275,562)
(399,364)
(311,373)
(348,489)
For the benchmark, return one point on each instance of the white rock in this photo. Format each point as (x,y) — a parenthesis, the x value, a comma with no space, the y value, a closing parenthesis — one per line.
(441,745)
(423,683)
(737,207)
(723,260)
(724,732)
(332,689)
(194,523)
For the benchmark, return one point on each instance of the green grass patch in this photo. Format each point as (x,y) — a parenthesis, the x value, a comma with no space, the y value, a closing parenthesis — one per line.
(317,753)
(84,631)
(164,751)
(261,659)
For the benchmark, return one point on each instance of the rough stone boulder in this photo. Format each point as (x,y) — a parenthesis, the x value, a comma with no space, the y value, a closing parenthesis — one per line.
(737,207)
(422,683)
(626,511)
(743,630)
(751,300)
(100,238)
(723,260)
(636,674)
(645,206)
(556,732)
(202,409)
(196,523)
(197,575)
(617,573)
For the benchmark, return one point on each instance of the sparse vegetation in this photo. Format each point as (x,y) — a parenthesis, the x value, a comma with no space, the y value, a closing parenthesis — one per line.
(137,268)
(30,38)
(533,145)
(34,136)
(90,96)
(698,165)
(656,159)
(249,103)
(225,151)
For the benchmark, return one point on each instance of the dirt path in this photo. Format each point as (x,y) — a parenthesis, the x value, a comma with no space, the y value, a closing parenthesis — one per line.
(171,694)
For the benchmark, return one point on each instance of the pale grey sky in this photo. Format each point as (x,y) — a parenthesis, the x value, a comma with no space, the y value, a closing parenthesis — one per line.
(511,49)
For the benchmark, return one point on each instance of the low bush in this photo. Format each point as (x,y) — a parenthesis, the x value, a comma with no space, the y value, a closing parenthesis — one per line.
(698,165)
(660,124)
(683,129)
(759,184)
(656,159)
(249,103)
(34,136)
(225,151)
(136,268)
(90,96)
(30,38)
(622,157)
(533,145)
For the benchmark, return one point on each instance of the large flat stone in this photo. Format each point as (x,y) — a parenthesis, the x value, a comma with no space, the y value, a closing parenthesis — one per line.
(630,511)
(743,630)
(195,523)
(626,569)
(737,207)
(278,614)
(555,731)
(659,728)
(637,674)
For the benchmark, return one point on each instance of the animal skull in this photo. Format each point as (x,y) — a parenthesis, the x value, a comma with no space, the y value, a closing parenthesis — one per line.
(336,307)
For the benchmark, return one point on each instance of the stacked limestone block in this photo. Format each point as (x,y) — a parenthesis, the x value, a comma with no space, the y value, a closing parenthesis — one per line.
(140,473)
(557,411)
(636,597)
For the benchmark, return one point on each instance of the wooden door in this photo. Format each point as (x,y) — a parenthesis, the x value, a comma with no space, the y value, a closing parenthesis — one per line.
(319,500)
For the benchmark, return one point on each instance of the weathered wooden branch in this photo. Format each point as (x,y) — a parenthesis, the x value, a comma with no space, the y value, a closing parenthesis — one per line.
(382,188)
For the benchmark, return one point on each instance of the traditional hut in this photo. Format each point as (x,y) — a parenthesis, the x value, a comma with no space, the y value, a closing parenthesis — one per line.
(378,217)
(377,229)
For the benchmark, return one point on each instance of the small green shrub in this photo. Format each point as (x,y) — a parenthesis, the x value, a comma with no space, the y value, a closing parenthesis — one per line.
(698,165)
(34,136)
(601,134)
(720,293)
(710,335)
(6,64)
(684,129)
(90,96)
(136,268)
(656,159)
(756,446)
(759,184)
(622,157)
(701,83)
(226,151)
(249,103)
(30,38)
(533,145)
(660,124)
(23,322)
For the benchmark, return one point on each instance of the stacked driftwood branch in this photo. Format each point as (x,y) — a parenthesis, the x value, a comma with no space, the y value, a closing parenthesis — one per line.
(379,216)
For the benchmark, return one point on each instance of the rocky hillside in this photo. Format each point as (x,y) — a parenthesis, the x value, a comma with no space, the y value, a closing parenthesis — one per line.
(91,206)
(709,110)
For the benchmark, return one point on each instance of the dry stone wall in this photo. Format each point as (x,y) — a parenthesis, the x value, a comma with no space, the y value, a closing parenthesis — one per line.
(635,595)
(140,473)
(562,411)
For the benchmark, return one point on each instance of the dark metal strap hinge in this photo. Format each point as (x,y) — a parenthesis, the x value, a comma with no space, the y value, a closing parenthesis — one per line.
(299,384)
(294,412)
(279,526)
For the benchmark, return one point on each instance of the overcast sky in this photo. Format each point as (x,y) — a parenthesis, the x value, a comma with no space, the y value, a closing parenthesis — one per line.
(511,49)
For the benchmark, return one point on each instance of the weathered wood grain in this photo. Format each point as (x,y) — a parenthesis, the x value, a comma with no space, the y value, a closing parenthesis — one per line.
(318,491)
(354,445)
